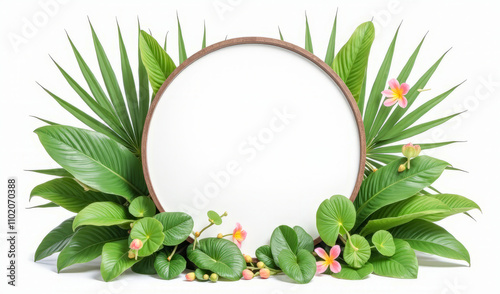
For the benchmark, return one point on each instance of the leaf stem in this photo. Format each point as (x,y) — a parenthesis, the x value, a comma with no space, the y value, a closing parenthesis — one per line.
(173,252)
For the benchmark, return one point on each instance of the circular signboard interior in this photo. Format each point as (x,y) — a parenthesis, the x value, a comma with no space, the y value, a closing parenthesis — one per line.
(255,127)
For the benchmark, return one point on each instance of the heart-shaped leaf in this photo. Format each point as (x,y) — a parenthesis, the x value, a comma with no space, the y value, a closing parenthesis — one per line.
(101,214)
(283,237)
(220,256)
(358,255)
(142,207)
(265,255)
(403,264)
(333,216)
(87,244)
(301,267)
(56,240)
(214,217)
(115,260)
(146,266)
(349,273)
(176,226)
(150,232)
(169,269)
(384,243)
(305,240)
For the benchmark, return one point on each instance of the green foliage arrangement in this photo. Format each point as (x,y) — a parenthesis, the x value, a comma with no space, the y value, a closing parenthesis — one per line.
(101,180)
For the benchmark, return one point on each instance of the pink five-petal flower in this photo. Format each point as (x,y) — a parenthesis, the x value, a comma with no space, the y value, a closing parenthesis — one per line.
(396,94)
(328,260)
(239,235)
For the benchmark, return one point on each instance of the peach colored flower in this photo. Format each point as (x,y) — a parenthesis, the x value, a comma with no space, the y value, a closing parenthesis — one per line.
(239,235)
(328,260)
(410,151)
(265,273)
(247,274)
(396,94)
(190,276)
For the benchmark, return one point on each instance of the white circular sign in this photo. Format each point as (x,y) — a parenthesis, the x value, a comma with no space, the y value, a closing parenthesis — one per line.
(256,127)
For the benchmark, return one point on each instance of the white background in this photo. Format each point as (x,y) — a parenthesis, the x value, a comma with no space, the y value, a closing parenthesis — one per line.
(470,27)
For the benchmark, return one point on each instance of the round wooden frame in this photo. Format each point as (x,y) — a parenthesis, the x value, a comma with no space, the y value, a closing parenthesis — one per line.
(266,41)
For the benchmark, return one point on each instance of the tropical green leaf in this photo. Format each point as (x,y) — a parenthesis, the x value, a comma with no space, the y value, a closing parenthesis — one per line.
(351,61)
(403,264)
(150,232)
(146,266)
(305,240)
(58,172)
(281,35)
(301,267)
(68,194)
(214,217)
(182,49)
(308,42)
(384,242)
(387,185)
(334,216)
(349,273)
(283,237)
(95,160)
(176,226)
(456,203)
(398,148)
(156,61)
(115,260)
(56,240)
(265,255)
(143,84)
(200,274)
(169,269)
(402,212)
(362,94)
(220,256)
(87,244)
(204,42)
(46,205)
(430,238)
(142,206)
(358,255)
(101,214)
(330,51)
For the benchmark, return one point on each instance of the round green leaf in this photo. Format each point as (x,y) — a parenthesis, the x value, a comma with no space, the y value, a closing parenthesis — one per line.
(305,240)
(169,269)
(101,214)
(176,226)
(146,266)
(332,215)
(283,237)
(115,259)
(220,256)
(357,257)
(349,273)
(403,264)
(384,243)
(142,206)
(265,255)
(301,267)
(215,217)
(150,232)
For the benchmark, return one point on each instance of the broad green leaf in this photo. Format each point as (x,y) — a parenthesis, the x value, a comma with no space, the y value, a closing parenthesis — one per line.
(351,61)
(156,61)
(349,273)
(115,260)
(430,238)
(58,172)
(143,83)
(308,42)
(305,241)
(334,216)
(204,42)
(330,51)
(95,160)
(176,226)
(358,255)
(146,266)
(220,256)
(68,194)
(182,49)
(373,106)
(56,240)
(387,185)
(456,203)
(398,148)
(265,255)
(169,269)
(87,244)
(362,94)
(283,237)
(301,267)
(403,264)
(101,214)
(46,205)
(384,158)
(402,212)
(200,273)
(150,232)
(384,242)
(45,121)
(142,206)
(214,217)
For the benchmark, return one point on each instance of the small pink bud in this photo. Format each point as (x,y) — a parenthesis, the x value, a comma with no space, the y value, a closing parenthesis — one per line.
(265,273)
(136,244)
(248,258)
(190,276)
(410,151)
(247,274)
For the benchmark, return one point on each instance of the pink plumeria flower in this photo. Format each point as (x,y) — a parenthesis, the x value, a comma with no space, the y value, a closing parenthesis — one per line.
(239,235)
(396,94)
(328,260)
